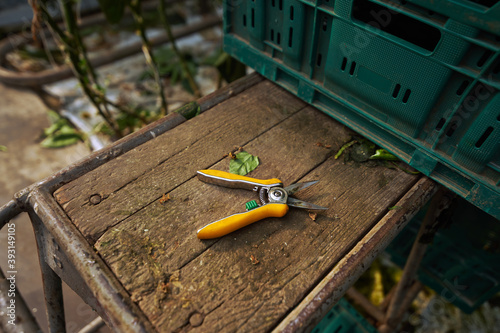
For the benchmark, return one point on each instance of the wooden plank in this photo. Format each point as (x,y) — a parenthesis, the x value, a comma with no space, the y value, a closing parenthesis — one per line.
(135,179)
(179,281)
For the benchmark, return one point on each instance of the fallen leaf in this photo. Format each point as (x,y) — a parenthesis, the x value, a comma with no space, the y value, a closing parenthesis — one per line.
(254,260)
(395,208)
(313,216)
(165,198)
(243,164)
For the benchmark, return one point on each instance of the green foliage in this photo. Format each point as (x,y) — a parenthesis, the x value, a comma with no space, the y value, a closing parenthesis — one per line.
(113,10)
(60,133)
(344,147)
(169,65)
(3,148)
(243,164)
(382,154)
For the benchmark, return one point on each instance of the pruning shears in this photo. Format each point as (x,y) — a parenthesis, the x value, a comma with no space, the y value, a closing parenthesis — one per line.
(274,199)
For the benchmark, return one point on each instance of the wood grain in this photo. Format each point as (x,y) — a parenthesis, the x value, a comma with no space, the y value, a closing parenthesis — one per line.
(173,276)
(140,176)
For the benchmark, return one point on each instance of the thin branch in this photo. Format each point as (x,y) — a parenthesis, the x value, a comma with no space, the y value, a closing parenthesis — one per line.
(168,29)
(135,8)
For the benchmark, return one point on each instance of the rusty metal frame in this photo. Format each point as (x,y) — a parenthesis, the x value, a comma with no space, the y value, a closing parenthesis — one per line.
(66,255)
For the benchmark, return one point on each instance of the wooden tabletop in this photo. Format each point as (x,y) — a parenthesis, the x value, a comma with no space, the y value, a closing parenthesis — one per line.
(252,279)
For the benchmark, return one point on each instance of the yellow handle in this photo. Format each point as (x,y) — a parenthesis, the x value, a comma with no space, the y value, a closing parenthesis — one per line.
(234,222)
(227,179)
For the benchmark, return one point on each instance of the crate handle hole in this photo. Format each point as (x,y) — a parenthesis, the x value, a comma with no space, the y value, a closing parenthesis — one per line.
(318,60)
(406,95)
(484,137)
(463,86)
(486,55)
(290,36)
(411,29)
(353,68)
(344,64)
(397,88)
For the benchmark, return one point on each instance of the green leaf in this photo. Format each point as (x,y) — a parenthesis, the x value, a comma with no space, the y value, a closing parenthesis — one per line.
(60,140)
(382,154)
(395,208)
(113,10)
(243,164)
(3,148)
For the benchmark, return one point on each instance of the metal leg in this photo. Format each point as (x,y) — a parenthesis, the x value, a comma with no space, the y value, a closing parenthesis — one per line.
(8,211)
(52,285)
(405,288)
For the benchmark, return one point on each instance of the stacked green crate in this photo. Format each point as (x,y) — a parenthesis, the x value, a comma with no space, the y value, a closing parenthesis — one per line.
(462,264)
(343,318)
(421,83)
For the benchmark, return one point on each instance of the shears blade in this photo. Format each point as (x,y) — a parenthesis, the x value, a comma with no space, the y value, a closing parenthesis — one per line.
(302,204)
(291,189)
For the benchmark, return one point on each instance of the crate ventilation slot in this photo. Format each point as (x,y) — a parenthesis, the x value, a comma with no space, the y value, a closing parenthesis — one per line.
(484,137)
(463,86)
(440,124)
(353,68)
(318,60)
(400,25)
(451,129)
(486,55)
(397,88)
(406,95)
(280,4)
(344,64)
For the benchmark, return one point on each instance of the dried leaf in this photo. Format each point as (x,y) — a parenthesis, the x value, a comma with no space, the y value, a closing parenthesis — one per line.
(165,198)
(253,260)
(313,216)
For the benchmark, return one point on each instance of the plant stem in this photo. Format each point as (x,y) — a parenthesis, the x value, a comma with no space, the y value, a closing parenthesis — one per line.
(135,8)
(72,45)
(168,29)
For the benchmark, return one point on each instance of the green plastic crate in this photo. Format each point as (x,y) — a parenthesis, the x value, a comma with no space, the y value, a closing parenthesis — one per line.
(463,262)
(343,318)
(425,87)
(483,14)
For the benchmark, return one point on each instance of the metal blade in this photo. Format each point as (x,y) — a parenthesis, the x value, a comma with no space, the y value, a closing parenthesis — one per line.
(291,189)
(302,204)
